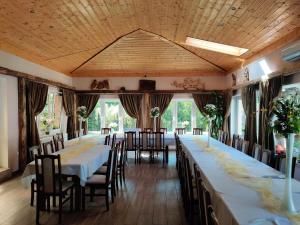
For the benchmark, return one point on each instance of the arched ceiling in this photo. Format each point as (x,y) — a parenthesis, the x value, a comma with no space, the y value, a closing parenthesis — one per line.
(63,34)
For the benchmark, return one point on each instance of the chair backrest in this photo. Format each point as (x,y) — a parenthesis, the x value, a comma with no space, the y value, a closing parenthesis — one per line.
(197,131)
(225,137)
(189,183)
(121,154)
(148,129)
(107,140)
(200,199)
(266,156)
(256,153)
(110,161)
(58,140)
(239,142)
(144,140)
(33,151)
(113,141)
(158,140)
(130,140)
(48,173)
(280,164)
(234,137)
(212,219)
(48,147)
(180,131)
(105,130)
(207,202)
(245,147)
(164,130)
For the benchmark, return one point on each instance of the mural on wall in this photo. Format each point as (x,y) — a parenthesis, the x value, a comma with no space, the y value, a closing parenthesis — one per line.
(99,85)
(233,79)
(189,84)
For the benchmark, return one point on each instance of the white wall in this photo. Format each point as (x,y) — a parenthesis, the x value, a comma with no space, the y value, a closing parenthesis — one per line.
(9,108)
(22,65)
(162,83)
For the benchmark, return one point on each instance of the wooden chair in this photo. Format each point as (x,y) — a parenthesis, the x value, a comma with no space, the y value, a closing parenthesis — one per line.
(225,137)
(180,131)
(207,202)
(104,182)
(33,152)
(256,152)
(48,147)
(239,143)
(266,156)
(121,162)
(145,145)
(50,183)
(198,181)
(107,140)
(105,130)
(234,138)
(245,147)
(58,140)
(113,141)
(164,130)
(280,162)
(158,145)
(148,129)
(130,144)
(197,131)
(212,219)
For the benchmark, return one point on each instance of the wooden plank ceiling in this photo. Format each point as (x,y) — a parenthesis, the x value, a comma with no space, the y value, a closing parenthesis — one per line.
(64,34)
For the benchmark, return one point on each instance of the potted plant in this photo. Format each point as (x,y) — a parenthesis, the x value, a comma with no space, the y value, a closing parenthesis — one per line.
(211,112)
(286,109)
(113,125)
(154,113)
(47,124)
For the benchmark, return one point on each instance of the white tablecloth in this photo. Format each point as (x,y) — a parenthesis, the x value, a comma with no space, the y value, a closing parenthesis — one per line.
(82,165)
(235,203)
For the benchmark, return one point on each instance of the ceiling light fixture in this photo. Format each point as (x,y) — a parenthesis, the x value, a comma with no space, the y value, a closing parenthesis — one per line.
(216,47)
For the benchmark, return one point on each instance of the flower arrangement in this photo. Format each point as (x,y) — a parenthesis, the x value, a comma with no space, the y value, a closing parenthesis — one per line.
(47,123)
(113,125)
(185,123)
(211,111)
(286,109)
(154,112)
(82,113)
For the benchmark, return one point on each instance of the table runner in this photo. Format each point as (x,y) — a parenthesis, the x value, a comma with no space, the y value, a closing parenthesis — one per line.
(235,201)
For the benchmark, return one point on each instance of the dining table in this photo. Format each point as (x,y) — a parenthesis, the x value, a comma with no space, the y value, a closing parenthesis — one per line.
(244,191)
(80,158)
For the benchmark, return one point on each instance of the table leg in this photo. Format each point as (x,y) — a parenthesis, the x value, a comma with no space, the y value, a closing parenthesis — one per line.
(78,190)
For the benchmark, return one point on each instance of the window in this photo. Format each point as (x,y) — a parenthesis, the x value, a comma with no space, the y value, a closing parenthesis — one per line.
(110,113)
(238,116)
(183,112)
(50,118)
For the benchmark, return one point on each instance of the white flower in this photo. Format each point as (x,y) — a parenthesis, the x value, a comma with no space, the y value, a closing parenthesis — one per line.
(154,112)
(113,125)
(185,123)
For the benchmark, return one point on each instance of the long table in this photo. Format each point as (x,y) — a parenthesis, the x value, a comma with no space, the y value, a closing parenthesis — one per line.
(236,202)
(80,159)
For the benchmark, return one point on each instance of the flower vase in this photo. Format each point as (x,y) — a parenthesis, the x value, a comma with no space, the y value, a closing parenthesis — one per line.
(288,203)
(154,124)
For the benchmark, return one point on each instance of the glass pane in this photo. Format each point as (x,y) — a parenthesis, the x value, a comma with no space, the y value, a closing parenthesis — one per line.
(57,107)
(201,121)
(184,112)
(241,118)
(167,117)
(128,122)
(94,120)
(112,115)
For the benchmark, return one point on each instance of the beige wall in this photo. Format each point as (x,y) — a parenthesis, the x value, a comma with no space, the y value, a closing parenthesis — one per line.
(162,83)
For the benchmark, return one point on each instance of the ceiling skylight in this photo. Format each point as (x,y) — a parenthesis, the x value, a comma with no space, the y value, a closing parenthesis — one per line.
(213,46)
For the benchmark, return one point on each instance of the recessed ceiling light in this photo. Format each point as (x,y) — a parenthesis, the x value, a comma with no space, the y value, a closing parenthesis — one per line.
(217,47)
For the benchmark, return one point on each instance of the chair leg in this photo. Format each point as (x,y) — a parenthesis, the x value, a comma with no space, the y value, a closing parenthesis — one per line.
(54,201)
(123,173)
(83,198)
(106,199)
(112,190)
(60,209)
(48,203)
(71,199)
(38,208)
(32,194)
(92,193)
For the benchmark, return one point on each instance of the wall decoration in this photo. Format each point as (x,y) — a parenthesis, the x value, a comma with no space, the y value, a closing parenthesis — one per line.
(98,85)
(147,85)
(233,79)
(189,83)
(246,74)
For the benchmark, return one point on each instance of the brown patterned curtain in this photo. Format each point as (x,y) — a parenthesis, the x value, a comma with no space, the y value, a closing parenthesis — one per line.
(89,101)
(68,98)
(202,100)
(132,104)
(162,101)
(269,90)
(36,98)
(249,104)
(227,111)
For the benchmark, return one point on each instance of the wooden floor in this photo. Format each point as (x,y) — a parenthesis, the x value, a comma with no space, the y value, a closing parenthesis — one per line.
(151,196)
